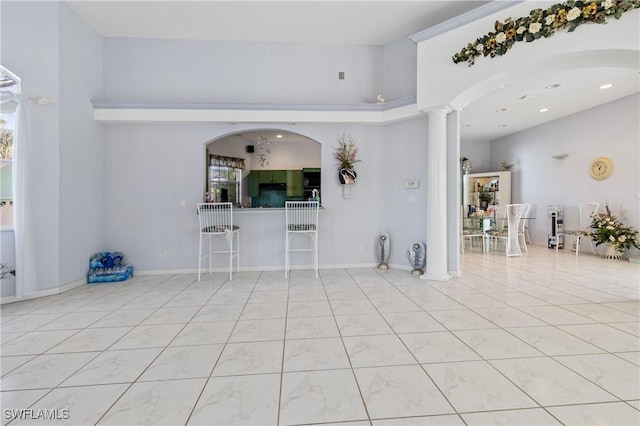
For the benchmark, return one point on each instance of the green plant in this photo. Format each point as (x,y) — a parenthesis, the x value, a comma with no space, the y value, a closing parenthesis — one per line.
(606,228)
(346,151)
(542,24)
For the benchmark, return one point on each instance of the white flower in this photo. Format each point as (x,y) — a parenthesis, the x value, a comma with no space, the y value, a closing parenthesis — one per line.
(501,38)
(610,228)
(606,4)
(534,27)
(612,238)
(479,47)
(573,13)
(549,19)
(622,238)
(521,30)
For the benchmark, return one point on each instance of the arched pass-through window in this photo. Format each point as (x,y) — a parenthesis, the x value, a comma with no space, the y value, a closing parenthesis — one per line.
(262,168)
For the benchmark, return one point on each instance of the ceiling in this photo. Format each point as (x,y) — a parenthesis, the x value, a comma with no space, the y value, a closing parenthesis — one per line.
(361,22)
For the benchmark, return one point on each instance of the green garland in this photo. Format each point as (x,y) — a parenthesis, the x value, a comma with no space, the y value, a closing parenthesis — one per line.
(543,23)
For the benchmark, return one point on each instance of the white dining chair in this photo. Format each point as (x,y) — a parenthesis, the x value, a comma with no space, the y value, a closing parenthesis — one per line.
(522,226)
(510,234)
(586,211)
(301,220)
(470,229)
(216,221)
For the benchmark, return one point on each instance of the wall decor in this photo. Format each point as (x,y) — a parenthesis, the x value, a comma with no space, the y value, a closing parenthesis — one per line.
(542,24)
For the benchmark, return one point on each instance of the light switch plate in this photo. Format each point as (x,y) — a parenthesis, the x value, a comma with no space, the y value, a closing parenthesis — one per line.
(412,184)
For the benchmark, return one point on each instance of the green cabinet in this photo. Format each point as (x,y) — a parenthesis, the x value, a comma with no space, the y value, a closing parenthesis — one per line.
(294,183)
(256,177)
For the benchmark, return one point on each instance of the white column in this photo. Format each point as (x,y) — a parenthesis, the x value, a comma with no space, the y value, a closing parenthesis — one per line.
(436,268)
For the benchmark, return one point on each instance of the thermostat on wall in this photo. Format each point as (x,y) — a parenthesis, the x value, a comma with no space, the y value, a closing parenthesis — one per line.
(412,184)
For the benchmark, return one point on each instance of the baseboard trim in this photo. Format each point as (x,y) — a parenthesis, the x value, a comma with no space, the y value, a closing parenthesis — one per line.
(43,293)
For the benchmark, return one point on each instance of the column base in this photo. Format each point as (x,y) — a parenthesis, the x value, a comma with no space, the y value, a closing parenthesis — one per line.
(443,277)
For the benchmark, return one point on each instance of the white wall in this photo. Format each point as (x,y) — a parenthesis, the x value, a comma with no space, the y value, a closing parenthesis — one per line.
(81,146)
(479,153)
(399,69)
(58,56)
(237,72)
(33,27)
(610,130)
(144,188)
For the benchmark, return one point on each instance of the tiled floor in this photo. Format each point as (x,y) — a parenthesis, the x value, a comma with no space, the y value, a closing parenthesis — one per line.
(543,339)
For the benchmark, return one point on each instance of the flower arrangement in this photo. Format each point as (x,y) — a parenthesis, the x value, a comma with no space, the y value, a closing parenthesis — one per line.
(608,229)
(543,23)
(346,151)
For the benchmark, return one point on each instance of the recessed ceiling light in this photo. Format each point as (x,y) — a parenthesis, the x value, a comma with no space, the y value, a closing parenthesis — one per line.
(466,125)
(292,124)
(523,97)
(544,109)
(606,86)
(501,110)
(279,136)
(552,86)
(502,125)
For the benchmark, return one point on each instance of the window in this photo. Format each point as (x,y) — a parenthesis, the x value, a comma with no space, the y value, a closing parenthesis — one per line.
(7,120)
(225,177)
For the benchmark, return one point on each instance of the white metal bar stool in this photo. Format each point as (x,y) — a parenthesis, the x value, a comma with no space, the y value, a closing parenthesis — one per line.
(216,220)
(302,219)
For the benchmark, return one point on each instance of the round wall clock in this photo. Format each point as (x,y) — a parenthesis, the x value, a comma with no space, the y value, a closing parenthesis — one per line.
(601,168)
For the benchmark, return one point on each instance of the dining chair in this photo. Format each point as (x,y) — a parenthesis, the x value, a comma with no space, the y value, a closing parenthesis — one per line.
(470,229)
(522,227)
(586,211)
(301,220)
(510,234)
(216,221)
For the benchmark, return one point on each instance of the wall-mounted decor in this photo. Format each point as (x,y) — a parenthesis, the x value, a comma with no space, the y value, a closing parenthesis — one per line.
(345,154)
(542,23)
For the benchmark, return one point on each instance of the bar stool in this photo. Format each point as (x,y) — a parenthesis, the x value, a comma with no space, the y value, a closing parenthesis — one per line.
(216,220)
(302,219)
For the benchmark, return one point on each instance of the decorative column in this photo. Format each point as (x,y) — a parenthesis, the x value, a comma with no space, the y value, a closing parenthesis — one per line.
(437,196)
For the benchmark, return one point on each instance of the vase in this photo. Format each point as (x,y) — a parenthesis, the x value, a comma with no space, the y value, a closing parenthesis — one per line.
(612,252)
(347,176)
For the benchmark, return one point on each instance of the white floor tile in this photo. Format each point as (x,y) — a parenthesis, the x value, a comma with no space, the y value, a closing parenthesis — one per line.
(550,383)
(45,371)
(93,339)
(311,327)
(204,333)
(83,405)
(315,354)
(553,341)
(615,375)
(183,362)
(438,347)
(614,413)
(448,420)
(461,319)
(360,325)
(605,337)
(400,391)
(258,330)
(238,400)
(412,322)
(496,343)
(477,386)
(113,367)
(377,351)
(155,403)
(148,336)
(250,358)
(528,417)
(320,396)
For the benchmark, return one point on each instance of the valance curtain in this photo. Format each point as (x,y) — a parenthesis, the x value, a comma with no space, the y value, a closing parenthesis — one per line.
(221,161)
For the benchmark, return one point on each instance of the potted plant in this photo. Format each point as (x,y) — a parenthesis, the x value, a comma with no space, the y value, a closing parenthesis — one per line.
(607,229)
(345,154)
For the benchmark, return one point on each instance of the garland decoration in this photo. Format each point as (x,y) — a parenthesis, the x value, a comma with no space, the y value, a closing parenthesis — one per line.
(543,23)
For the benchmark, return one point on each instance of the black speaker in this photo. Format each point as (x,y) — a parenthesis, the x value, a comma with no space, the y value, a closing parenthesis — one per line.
(250,149)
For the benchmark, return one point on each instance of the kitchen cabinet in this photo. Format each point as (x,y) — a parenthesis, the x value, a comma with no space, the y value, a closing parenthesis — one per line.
(257,177)
(482,190)
(294,183)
